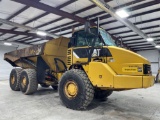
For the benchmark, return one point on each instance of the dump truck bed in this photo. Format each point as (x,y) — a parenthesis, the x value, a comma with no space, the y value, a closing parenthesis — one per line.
(27,57)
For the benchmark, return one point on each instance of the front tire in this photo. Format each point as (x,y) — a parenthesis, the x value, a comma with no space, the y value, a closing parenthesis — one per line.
(15,79)
(102,94)
(28,81)
(75,89)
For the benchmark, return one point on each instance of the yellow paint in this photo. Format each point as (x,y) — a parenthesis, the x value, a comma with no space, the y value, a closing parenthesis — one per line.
(127,82)
(24,82)
(12,79)
(125,58)
(100,74)
(56,48)
(148,81)
(59,75)
(71,89)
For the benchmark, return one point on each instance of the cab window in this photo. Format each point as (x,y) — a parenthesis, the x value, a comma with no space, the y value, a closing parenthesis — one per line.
(85,39)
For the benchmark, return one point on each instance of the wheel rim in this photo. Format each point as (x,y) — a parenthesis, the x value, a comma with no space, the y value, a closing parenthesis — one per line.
(71,89)
(24,82)
(12,80)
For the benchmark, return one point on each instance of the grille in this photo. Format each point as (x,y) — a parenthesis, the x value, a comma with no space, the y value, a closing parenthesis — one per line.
(69,60)
(69,52)
(146,69)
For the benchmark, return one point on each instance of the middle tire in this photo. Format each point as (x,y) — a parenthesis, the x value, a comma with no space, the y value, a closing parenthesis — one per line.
(75,89)
(28,81)
(44,85)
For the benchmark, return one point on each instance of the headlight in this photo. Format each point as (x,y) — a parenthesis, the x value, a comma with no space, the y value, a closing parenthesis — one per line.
(139,69)
(147,69)
(111,60)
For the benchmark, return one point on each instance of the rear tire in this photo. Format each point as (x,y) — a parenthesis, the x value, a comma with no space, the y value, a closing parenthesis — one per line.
(102,94)
(75,89)
(28,81)
(14,79)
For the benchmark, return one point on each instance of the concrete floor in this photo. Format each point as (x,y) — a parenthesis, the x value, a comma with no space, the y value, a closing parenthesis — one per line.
(140,104)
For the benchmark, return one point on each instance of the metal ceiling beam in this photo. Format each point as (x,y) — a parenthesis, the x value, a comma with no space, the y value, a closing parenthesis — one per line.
(145,49)
(25,27)
(138,23)
(74,13)
(104,6)
(132,16)
(135,35)
(145,42)
(90,16)
(46,13)
(21,33)
(18,12)
(130,31)
(135,47)
(34,41)
(134,39)
(42,15)
(17,43)
(139,45)
(66,4)
(151,32)
(22,38)
(107,16)
(53,10)
(15,14)
(10,37)
(137,39)
(29,22)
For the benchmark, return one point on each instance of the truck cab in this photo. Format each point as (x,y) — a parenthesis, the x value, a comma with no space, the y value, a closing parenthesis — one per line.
(108,66)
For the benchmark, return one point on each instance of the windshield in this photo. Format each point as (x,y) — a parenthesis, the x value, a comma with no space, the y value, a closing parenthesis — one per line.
(107,38)
(86,39)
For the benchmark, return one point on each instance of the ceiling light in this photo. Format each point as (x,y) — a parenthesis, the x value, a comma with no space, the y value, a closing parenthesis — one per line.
(8,44)
(41,33)
(150,39)
(122,13)
(157,46)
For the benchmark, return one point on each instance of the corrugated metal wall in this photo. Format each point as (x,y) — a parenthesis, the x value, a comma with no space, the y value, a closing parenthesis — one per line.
(5,67)
(153,57)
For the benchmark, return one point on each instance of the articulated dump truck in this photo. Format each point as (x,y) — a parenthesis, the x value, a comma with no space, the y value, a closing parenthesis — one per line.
(87,66)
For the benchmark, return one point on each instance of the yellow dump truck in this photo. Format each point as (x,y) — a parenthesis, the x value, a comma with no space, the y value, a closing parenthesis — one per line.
(86,66)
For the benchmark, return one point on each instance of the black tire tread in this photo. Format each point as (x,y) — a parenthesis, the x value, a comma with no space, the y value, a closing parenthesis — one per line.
(18,72)
(33,84)
(102,94)
(88,88)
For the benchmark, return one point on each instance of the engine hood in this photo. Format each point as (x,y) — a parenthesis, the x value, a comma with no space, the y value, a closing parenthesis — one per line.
(126,62)
(121,55)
